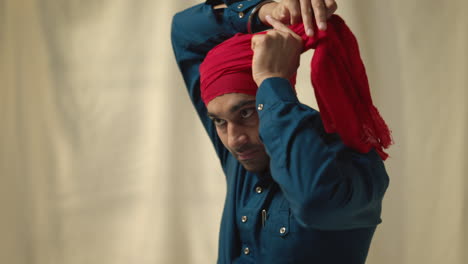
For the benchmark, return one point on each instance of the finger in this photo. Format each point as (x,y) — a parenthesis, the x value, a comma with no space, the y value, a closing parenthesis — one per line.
(306,10)
(276,24)
(294,12)
(281,29)
(331,7)
(282,14)
(320,14)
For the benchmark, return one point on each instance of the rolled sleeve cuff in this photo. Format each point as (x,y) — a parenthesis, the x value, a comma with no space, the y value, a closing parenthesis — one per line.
(238,13)
(273,91)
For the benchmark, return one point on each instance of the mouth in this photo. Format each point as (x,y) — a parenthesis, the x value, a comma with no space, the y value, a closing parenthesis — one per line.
(247,155)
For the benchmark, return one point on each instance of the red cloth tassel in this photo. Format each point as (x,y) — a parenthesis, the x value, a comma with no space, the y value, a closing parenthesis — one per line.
(342,89)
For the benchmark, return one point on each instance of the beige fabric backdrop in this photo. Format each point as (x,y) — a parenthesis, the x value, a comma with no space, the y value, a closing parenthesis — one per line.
(103,161)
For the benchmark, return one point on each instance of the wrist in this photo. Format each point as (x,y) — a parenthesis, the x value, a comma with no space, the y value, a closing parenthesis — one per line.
(260,78)
(266,9)
(254,15)
(220,6)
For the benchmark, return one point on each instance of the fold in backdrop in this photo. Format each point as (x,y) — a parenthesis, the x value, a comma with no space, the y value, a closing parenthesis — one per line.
(103,160)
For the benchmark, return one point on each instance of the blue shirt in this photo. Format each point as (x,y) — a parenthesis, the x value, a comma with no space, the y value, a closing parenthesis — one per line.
(320,202)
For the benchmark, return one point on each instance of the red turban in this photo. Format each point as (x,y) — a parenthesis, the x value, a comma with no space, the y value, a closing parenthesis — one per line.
(338,77)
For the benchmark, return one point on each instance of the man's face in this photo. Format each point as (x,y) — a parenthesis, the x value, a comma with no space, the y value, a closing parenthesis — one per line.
(236,121)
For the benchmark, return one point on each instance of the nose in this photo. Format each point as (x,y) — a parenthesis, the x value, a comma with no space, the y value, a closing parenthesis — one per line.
(237,136)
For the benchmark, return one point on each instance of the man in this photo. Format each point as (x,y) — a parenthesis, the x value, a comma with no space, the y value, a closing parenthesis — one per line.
(295,193)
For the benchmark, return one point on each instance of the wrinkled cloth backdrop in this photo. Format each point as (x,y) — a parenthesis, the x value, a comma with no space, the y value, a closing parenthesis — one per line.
(103,160)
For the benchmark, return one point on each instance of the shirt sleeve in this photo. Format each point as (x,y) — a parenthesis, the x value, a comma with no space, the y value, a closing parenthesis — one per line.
(328,185)
(195,31)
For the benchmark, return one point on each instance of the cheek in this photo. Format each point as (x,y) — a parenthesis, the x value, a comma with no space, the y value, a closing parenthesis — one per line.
(253,133)
(253,128)
(222,136)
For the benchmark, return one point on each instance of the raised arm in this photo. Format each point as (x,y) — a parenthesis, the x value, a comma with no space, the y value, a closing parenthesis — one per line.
(328,185)
(195,31)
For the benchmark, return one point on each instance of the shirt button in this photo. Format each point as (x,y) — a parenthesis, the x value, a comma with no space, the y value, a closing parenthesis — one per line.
(244,219)
(241,14)
(258,189)
(246,251)
(282,230)
(240,6)
(260,107)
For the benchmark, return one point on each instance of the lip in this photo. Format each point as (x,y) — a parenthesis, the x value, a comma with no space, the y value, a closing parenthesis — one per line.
(247,155)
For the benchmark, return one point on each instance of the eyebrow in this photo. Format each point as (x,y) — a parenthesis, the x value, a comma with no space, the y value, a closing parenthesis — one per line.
(240,105)
(236,107)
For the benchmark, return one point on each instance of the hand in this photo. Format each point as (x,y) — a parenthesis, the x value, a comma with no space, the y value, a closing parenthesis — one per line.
(291,12)
(276,53)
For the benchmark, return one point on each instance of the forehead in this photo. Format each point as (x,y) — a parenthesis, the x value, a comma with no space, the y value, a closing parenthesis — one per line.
(225,103)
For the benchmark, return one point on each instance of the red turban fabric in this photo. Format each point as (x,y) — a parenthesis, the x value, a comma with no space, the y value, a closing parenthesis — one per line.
(338,77)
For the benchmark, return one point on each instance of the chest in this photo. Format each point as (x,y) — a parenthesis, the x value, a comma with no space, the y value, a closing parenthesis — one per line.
(263,222)
(266,231)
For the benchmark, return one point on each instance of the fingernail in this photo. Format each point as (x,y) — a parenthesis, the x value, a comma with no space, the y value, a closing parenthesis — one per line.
(268,17)
(323,26)
(310,32)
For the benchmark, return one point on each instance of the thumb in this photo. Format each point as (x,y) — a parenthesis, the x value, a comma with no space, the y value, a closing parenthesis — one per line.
(281,14)
(254,41)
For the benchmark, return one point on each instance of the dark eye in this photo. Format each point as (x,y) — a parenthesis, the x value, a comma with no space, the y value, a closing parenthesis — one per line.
(218,122)
(246,113)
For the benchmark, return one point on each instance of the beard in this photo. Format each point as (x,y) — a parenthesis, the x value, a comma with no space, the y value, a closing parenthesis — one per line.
(253,157)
